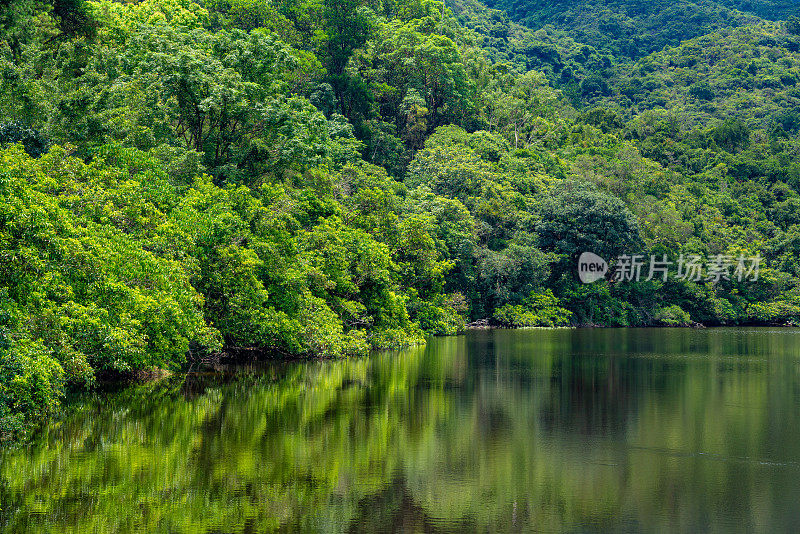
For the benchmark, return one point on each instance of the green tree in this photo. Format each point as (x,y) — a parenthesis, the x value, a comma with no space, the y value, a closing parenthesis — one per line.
(578,219)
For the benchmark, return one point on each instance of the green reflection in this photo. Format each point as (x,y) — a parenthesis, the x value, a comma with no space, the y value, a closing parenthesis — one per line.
(495,431)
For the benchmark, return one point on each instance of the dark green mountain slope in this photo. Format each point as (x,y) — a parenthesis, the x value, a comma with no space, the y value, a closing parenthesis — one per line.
(633,28)
(768,9)
(750,73)
(546,50)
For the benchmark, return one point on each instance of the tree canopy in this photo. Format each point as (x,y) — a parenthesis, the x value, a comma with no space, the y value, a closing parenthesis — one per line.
(322,178)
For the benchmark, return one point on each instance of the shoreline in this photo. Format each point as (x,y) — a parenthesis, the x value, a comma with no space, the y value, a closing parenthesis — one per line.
(700,326)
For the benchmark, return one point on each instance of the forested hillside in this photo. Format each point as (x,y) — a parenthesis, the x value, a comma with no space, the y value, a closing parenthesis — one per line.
(633,28)
(325,177)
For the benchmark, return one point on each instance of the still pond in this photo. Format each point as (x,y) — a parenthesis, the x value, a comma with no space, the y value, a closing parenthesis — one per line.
(640,430)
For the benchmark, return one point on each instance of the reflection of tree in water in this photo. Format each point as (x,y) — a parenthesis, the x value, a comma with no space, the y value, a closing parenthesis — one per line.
(602,396)
(605,378)
(483,432)
(393,509)
(597,381)
(573,391)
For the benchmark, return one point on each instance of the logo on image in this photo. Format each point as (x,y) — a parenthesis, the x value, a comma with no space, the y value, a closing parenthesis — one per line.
(687,267)
(591,268)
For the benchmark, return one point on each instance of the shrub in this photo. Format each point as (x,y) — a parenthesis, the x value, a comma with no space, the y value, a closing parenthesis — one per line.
(444,317)
(14,132)
(539,309)
(31,387)
(793,25)
(702,91)
(672,316)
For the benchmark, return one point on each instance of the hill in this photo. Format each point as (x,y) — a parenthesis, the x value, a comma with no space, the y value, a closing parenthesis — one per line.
(632,28)
(333,176)
(750,73)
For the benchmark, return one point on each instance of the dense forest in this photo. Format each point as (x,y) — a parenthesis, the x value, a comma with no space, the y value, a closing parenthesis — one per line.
(326,177)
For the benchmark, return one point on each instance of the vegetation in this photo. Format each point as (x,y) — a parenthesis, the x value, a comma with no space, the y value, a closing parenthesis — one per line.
(632,28)
(323,178)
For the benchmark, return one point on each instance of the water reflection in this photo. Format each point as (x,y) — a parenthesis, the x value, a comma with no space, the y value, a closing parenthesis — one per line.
(575,430)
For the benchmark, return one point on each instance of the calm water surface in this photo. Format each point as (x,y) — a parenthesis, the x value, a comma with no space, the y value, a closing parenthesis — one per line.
(537,430)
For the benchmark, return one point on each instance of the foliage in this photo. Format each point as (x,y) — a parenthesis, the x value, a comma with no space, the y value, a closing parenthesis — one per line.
(626,28)
(576,219)
(672,316)
(32,141)
(31,384)
(538,309)
(75,277)
(323,178)
(747,73)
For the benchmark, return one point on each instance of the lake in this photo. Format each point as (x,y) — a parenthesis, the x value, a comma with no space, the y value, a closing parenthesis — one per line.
(548,430)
